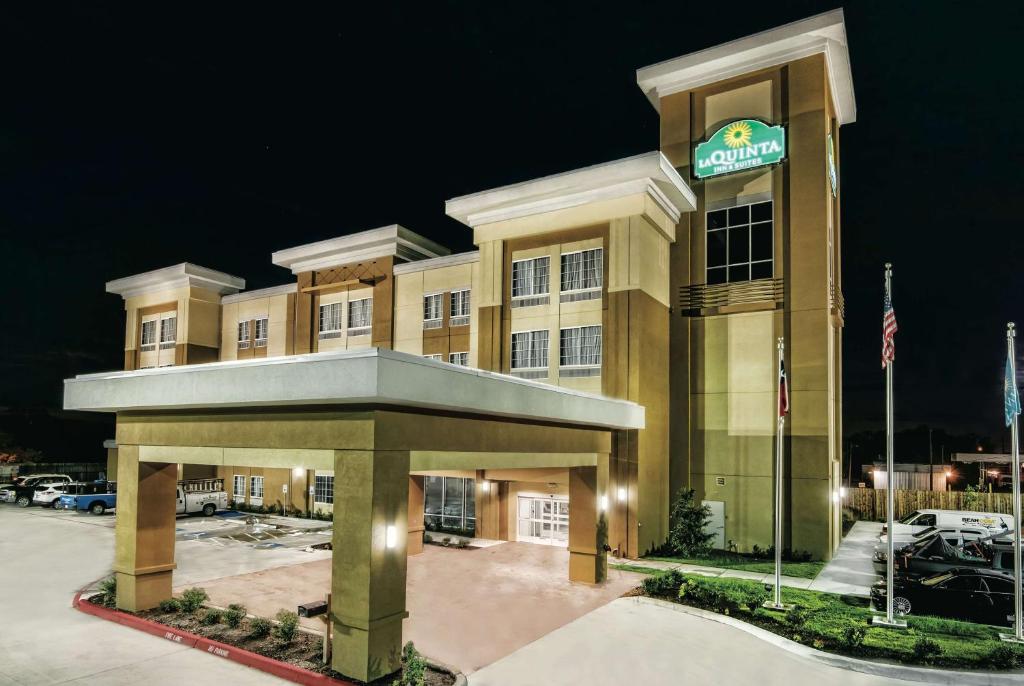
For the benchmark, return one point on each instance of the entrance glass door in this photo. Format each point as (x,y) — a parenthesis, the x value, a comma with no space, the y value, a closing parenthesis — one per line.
(544,520)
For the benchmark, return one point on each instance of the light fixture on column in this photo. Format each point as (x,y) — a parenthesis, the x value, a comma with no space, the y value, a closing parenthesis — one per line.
(391,536)
(842,491)
(622,494)
(604,503)
(835,496)
(297,471)
(485,486)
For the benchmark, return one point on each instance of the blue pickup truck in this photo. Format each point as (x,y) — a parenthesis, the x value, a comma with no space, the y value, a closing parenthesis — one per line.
(96,497)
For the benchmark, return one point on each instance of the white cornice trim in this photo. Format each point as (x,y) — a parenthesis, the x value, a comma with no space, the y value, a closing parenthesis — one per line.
(648,173)
(395,241)
(283,289)
(438,262)
(181,275)
(821,34)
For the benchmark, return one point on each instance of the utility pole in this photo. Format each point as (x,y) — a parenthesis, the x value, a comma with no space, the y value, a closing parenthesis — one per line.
(931,469)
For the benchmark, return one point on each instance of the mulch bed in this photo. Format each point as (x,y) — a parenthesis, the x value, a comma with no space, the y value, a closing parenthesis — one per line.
(303,651)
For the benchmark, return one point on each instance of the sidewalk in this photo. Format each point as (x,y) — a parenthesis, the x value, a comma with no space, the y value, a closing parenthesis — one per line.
(792,581)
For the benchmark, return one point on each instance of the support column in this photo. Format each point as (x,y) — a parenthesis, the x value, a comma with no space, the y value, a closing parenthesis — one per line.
(371,503)
(416,528)
(588,486)
(487,508)
(144,530)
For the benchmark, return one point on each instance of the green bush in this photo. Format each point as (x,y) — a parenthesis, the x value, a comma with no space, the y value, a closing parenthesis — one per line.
(723,595)
(664,585)
(193,598)
(259,627)
(287,622)
(687,521)
(234,615)
(414,667)
(853,637)
(108,589)
(170,605)
(211,617)
(427,538)
(1006,656)
(796,617)
(925,649)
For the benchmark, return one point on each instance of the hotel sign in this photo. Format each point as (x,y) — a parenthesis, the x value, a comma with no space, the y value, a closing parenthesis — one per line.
(741,145)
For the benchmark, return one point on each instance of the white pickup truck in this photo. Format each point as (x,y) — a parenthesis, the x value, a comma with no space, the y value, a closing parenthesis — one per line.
(201,495)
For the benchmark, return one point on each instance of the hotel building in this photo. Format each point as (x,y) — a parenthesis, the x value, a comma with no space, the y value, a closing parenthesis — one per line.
(610,341)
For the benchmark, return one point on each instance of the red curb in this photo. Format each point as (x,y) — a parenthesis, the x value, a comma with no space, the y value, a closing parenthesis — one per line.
(296,675)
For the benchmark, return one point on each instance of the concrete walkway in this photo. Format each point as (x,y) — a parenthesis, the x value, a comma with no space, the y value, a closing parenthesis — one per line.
(850,571)
(791,581)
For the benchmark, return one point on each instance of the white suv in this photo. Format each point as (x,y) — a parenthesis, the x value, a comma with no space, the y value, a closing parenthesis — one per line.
(48,493)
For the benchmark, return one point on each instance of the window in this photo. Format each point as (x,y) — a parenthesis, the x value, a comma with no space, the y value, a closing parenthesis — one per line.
(460,308)
(360,316)
(583,270)
(740,243)
(530,278)
(330,321)
(261,332)
(243,335)
(433,357)
(449,504)
(963,583)
(461,359)
(149,335)
(530,350)
(925,520)
(239,487)
(168,331)
(323,489)
(432,311)
(580,346)
(256,487)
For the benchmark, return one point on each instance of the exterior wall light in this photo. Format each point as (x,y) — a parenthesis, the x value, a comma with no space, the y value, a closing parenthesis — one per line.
(835,496)
(604,503)
(622,494)
(391,536)
(486,486)
(298,471)
(842,491)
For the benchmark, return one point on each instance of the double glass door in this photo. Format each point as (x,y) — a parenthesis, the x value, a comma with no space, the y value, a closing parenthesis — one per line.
(544,520)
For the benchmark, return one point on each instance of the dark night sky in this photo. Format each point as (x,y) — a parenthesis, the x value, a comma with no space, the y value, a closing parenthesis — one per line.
(131,141)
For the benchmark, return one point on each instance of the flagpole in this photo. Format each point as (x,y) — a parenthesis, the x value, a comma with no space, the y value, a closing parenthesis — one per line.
(776,603)
(1011,362)
(890,505)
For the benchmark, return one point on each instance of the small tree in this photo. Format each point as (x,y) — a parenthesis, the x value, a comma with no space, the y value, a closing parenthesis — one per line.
(688,535)
(972,498)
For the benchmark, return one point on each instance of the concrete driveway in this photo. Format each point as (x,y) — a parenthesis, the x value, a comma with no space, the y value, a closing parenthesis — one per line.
(850,571)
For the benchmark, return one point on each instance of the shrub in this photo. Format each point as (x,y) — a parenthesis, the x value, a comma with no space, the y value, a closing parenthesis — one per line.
(1005,656)
(211,617)
(108,589)
(427,538)
(414,667)
(287,622)
(972,498)
(234,615)
(446,541)
(259,627)
(170,605)
(665,584)
(724,596)
(192,599)
(925,649)
(687,534)
(853,637)
(796,617)
(461,543)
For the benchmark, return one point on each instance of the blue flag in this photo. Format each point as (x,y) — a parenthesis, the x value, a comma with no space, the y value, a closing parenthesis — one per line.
(1011,400)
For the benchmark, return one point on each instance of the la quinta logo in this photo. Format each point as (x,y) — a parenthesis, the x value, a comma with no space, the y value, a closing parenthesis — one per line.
(739,145)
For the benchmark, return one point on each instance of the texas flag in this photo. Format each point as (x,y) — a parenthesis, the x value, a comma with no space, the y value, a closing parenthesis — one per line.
(783,389)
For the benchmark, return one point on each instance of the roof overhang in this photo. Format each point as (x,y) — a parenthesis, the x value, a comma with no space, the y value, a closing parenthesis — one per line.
(821,34)
(649,173)
(177,276)
(396,241)
(365,377)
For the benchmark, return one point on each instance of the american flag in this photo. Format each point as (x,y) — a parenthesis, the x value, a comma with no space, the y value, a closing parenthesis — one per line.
(888,331)
(783,390)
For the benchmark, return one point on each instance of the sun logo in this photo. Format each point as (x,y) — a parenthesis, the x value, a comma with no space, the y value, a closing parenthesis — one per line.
(738,134)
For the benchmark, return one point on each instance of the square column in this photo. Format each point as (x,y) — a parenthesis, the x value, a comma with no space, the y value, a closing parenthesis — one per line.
(144,530)
(588,488)
(416,528)
(371,503)
(489,510)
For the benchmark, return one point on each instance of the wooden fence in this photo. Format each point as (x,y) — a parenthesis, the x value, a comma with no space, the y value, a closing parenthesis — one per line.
(869,504)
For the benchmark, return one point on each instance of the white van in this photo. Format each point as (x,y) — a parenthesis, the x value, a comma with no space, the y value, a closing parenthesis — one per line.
(919,520)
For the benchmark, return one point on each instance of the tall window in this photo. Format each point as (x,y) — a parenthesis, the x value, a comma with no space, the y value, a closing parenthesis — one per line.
(449,504)
(530,350)
(740,243)
(460,308)
(149,335)
(360,316)
(530,277)
(323,489)
(580,346)
(168,331)
(330,321)
(261,332)
(243,334)
(256,487)
(461,359)
(239,487)
(582,270)
(433,311)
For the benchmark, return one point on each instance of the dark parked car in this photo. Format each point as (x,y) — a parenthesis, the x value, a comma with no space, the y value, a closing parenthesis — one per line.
(978,595)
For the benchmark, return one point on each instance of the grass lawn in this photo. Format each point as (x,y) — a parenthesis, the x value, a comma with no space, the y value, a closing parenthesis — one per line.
(841,624)
(801,570)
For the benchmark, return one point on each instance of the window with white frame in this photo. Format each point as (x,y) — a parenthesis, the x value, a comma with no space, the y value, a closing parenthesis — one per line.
(323,489)
(433,310)
(460,308)
(360,316)
(461,359)
(433,357)
(582,270)
(261,332)
(330,321)
(530,277)
(530,350)
(256,487)
(149,335)
(168,331)
(740,243)
(244,334)
(580,346)
(239,487)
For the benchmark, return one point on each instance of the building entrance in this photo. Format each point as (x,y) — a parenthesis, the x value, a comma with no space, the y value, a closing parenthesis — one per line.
(544,520)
